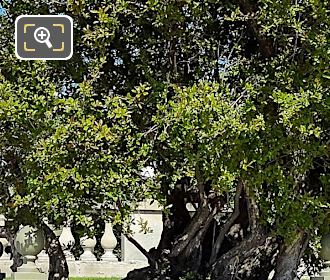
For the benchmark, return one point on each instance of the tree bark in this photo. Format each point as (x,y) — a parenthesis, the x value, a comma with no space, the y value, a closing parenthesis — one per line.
(289,258)
(58,267)
(227,225)
(14,255)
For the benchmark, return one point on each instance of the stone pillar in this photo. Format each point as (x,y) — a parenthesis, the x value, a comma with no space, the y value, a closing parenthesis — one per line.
(5,243)
(29,242)
(109,243)
(67,241)
(88,245)
(325,255)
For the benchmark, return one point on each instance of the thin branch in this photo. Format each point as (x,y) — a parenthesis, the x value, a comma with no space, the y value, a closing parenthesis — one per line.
(200,185)
(228,224)
(151,260)
(152,129)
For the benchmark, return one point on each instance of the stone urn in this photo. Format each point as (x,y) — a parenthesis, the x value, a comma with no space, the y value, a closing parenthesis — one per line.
(109,243)
(29,242)
(325,255)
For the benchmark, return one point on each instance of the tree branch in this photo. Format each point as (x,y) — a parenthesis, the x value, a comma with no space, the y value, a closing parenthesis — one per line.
(200,186)
(198,221)
(227,225)
(266,47)
(151,260)
(253,210)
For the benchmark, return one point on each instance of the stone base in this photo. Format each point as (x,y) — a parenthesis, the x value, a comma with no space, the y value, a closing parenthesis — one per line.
(88,257)
(105,269)
(109,257)
(98,268)
(28,276)
(5,266)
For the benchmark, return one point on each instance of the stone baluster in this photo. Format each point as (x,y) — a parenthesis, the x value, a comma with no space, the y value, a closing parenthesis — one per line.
(29,242)
(88,245)
(67,241)
(109,243)
(5,243)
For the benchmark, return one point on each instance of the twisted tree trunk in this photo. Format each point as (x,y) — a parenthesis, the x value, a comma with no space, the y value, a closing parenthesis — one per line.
(289,258)
(203,250)
(58,267)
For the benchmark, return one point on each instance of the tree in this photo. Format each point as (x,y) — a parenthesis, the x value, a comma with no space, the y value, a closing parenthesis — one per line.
(67,159)
(227,100)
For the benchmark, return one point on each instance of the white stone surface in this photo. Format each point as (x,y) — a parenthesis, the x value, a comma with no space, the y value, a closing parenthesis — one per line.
(2,220)
(152,214)
(5,266)
(93,268)
(104,269)
(5,256)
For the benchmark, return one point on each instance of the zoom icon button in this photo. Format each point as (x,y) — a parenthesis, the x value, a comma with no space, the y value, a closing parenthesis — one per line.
(44,37)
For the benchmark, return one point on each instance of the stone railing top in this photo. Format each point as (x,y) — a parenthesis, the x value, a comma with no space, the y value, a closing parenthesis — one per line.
(147,205)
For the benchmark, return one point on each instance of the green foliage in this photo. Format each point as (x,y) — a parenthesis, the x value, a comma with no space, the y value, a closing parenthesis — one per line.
(207,92)
(88,152)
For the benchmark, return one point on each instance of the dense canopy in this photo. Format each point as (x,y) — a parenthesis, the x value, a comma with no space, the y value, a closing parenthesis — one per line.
(228,101)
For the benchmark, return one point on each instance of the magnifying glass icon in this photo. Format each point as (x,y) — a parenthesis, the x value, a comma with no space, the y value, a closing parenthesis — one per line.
(41,35)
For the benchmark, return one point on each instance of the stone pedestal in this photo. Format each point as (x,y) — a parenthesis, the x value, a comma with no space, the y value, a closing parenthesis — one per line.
(29,270)
(43,257)
(29,242)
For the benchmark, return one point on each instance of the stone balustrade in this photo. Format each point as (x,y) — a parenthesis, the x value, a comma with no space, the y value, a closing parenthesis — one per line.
(30,245)
(87,265)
